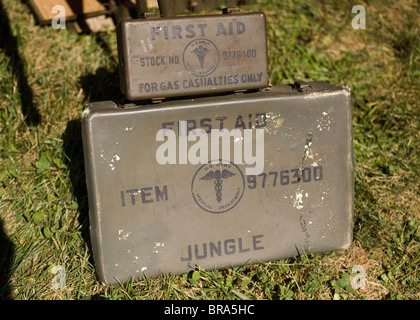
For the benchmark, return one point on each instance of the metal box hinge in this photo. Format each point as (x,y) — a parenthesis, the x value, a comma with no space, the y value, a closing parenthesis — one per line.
(157,100)
(231,11)
(239,91)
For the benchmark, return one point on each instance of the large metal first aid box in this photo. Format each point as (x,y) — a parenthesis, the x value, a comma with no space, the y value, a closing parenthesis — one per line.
(162,201)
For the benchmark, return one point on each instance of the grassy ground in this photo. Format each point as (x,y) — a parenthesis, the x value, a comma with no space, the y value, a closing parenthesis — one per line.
(46,75)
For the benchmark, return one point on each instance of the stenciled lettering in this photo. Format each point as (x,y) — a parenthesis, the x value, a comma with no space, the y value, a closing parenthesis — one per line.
(143,195)
(229,29)
(178,32)
(191,31)
(195,83)
(286,177)
(256,120)
(199,251)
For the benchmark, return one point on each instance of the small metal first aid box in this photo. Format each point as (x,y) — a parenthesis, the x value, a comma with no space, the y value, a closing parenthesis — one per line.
(194,55)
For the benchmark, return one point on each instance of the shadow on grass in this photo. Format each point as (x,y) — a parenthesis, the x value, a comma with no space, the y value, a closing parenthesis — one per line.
(366,225)
(6,258)
(102,85)
(99,86)
(9,44)
(73,148)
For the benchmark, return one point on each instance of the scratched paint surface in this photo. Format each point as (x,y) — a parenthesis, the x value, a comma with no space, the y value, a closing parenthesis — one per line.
(148,219)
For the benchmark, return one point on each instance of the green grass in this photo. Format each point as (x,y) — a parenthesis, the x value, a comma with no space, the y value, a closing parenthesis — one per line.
(46,75)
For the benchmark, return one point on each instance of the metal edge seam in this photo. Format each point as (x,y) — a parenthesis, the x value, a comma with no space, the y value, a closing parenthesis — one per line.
(94,224)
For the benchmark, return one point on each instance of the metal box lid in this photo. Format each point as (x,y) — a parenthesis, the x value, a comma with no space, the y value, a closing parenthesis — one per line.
(195,55)
(149,217)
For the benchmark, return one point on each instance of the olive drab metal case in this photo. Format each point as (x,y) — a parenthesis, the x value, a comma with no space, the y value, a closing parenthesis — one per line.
(181,56)
(161,202)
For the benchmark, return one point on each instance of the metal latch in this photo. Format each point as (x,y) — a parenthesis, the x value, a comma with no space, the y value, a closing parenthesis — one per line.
(302,86)
(149,15)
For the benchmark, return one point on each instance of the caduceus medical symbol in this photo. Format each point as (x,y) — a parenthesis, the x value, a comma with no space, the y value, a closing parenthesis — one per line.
(201,52)
(218,177)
